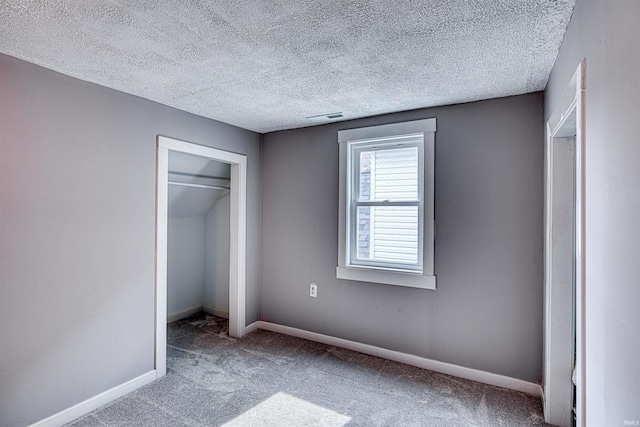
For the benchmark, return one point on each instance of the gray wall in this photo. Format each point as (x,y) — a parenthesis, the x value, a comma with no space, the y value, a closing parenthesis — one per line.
(77,215)
(185,264)
(216,272)
(606,34)
(198,256)
(487,310)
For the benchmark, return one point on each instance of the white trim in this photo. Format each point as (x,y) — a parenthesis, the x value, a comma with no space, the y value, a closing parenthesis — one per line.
(411,280)
(252,327)
(238,243)
(427,127)
(409,359)
(392,129)
(572,103)
(177,315)
(580,171)
(238,248)
(162,223)
(201,150)
(93,403)
(217,311)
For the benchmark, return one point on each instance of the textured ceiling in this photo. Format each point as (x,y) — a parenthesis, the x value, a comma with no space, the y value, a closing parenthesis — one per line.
(265,65)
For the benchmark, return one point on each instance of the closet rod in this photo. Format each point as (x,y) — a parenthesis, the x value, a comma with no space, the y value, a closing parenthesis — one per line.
(189,184)
(195,175)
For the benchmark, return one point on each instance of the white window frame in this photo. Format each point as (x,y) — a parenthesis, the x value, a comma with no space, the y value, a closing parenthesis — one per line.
(353,186)
(424,279)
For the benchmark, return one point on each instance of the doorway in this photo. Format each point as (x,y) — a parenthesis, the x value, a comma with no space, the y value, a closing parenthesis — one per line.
(563,382)
(237,237)
(198,237)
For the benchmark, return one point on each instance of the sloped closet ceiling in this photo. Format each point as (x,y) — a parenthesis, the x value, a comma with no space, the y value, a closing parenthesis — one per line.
(266,65)
(186,202)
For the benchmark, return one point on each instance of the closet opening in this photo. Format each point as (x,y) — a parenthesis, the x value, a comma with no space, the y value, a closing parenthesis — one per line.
(200,237)
(197,237)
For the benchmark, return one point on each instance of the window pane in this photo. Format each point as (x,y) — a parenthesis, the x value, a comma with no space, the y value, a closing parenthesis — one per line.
(365,175)
(364,232)
(387,234)
(389,174)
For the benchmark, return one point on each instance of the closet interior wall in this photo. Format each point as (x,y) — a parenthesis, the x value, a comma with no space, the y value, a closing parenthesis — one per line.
(198,237)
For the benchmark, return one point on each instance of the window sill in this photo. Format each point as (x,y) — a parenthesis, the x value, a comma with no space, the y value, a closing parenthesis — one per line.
(411,280)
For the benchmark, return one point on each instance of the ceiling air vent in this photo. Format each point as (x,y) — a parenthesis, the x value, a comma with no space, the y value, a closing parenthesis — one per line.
(323,117)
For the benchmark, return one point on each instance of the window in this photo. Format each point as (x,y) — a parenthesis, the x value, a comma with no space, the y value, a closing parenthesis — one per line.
(386,204)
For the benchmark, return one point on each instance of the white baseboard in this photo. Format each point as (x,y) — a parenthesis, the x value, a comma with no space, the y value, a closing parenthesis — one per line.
(250,328)
(172,317)
(93,403)
(216,311)
(409,359)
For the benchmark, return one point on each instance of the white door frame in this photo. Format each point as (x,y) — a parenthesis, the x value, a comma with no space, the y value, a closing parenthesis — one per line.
(238,239)
(557,352)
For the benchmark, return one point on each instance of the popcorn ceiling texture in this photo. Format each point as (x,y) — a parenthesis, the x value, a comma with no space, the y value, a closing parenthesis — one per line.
(266,65)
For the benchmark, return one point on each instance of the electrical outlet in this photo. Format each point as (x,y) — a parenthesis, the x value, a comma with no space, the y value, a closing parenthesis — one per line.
(313,290)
